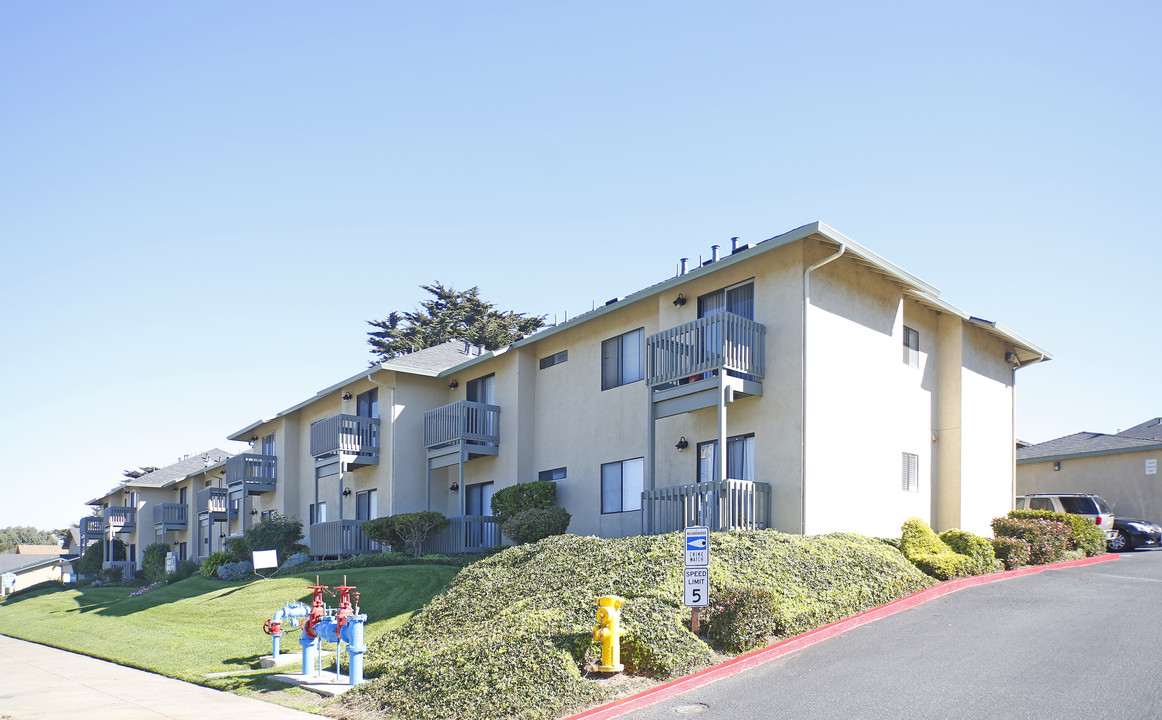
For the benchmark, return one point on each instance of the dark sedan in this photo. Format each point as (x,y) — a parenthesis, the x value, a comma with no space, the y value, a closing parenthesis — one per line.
(1134,534)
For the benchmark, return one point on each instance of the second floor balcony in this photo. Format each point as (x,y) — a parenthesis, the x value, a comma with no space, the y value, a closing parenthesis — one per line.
(170,516)
(722,342)
(213,502)
(354,437)
(465,425)
(120,519)
(252,472)
(90,529)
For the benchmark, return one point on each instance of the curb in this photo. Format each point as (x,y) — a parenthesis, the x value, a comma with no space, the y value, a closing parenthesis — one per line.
(742,663)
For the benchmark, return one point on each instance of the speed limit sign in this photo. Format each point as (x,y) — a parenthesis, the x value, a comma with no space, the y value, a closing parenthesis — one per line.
(697,587)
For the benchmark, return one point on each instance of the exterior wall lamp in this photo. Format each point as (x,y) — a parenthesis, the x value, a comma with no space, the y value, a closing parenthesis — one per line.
(346,492)
(346,396)
(680,300)
(1056,466)
(454,487)
(682,444)
(253,513)
(454,384)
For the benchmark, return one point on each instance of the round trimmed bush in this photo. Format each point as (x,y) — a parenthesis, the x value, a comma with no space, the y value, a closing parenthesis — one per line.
(537,524)
(741,619)
(211,564)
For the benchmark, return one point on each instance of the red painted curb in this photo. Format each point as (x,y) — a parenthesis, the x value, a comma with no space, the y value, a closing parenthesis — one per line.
(739,664)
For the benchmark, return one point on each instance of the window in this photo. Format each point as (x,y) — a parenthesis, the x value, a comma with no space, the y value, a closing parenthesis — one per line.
(557,359)
(737,299)
(366,504)
(182,496)
(621,485)
(550,475)
(181,551)
(1041,503)
(911,347)
(739,459)
(266,514)
(910,472)
(621,359)
(318,513)
(366,405)
(268,444)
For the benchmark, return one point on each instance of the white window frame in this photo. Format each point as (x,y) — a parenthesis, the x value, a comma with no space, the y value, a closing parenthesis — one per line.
(911,347)
(623,359)
(909,472)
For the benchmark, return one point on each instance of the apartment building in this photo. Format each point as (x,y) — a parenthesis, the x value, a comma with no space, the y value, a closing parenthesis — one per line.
(802,383)
(847,393)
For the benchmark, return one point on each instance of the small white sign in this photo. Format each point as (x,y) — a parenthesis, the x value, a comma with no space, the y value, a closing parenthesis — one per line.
(265,559)
(697,546)
(697,586)
(8,580)
(1151,467)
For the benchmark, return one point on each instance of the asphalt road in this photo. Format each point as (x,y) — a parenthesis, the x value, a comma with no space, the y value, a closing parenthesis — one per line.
(1082,642)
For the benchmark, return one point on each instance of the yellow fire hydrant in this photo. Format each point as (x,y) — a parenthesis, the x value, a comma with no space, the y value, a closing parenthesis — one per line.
(608,632)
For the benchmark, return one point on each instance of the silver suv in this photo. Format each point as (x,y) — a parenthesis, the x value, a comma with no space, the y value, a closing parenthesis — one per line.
(1091,506)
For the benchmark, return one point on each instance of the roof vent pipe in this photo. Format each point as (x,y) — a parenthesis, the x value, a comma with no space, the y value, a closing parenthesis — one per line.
(734,245)
(714,253)
(684,265)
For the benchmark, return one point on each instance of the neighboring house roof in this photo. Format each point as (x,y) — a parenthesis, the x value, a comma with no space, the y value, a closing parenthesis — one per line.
(39,550)
(1085,444)
(12,562)
(191,465)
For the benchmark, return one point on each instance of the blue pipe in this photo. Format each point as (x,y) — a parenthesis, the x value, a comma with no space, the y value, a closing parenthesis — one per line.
(293,610)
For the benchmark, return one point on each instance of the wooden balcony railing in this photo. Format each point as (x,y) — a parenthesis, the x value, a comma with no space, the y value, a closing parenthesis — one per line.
(91,529)
(718,342)
(463,421)
(720,505)
(467,533)
(120,519)
(212,501)
(340,538)
(345,434)
(170,516)
(256,473)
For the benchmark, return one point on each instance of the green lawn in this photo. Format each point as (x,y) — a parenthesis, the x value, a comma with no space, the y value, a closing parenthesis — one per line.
(200,626)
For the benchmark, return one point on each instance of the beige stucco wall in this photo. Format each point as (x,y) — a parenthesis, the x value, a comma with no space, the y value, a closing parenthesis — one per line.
(1120,478)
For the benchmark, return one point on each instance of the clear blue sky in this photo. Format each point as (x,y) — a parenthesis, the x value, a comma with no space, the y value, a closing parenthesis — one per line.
(202,203)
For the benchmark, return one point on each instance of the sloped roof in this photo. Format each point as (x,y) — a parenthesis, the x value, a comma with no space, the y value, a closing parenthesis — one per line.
(39,550)
(12,562)
(161,477)
(1090,443)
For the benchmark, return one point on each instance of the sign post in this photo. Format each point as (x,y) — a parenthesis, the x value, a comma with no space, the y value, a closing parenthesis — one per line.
(696,572)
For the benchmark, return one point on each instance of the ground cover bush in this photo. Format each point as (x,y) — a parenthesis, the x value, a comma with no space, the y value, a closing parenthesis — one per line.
(935,557)
(1048,540)
(391,559)
(1085,535)
(511,634)
(741,619)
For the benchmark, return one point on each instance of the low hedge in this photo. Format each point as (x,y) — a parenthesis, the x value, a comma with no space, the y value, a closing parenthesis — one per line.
(741,619)
(1086,536)
(1012,551)
(979,550)
(1048,540)
(931,555)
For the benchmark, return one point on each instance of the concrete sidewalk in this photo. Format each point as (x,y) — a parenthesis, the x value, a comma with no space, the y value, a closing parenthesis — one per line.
(37,681)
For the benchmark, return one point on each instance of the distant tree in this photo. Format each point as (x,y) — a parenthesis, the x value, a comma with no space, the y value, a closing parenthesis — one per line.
(10,537)
(143,470)
(448,315)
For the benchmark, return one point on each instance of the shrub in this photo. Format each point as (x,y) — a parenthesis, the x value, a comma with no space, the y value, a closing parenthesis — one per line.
(1012,551)
(415,528)
(978,549)
(111,575)
(273,532)
(741,619)
(930,554)
(296,560)
(153,561)
(382,530)
(1086,536)
(511,501)
(90,563)
(211,564)
(536,524)
(1047,539)
(236,570)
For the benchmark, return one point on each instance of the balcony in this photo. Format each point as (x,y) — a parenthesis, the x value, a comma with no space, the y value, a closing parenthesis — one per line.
(353,437)
(120,519)
(340,538)
(690,366)
(90,530)
(250,473)
(466,534)
(212,501)
(467,427)
(170,516)
(719,505)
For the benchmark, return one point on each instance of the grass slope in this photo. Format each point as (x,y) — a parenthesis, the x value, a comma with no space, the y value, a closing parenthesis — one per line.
(199,626)
(510,635)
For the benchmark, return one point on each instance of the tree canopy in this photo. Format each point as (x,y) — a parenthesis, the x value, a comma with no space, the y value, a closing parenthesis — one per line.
(10,537)
(448,315)
(134,474)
